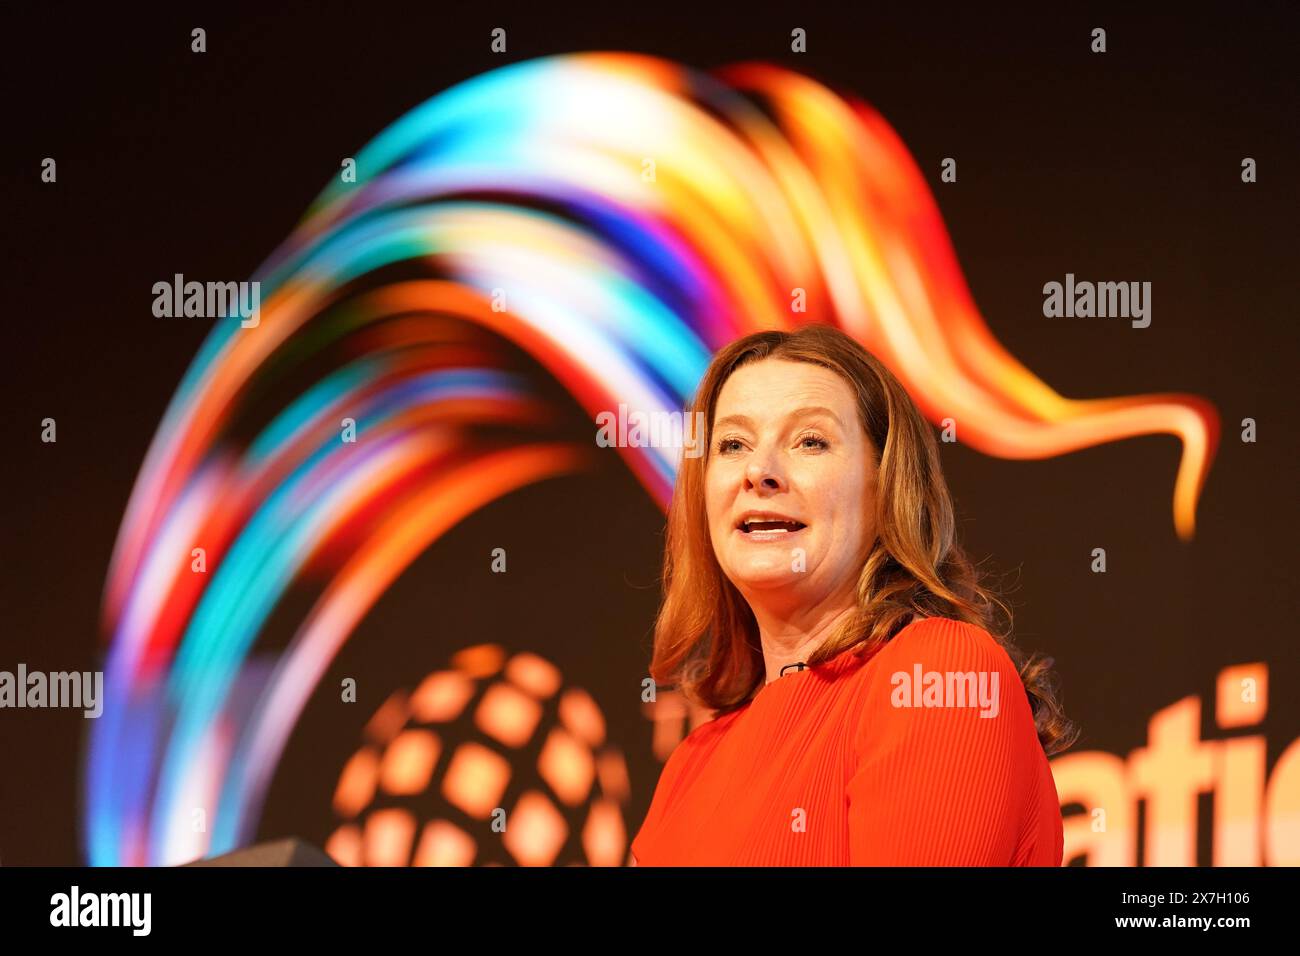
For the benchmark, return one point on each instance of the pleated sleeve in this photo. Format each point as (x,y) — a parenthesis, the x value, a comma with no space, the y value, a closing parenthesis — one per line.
(943,771)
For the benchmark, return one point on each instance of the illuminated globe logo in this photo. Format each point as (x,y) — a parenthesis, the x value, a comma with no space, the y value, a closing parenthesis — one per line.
(490,762)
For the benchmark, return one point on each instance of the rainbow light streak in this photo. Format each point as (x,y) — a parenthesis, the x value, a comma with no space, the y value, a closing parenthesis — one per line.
(533,182)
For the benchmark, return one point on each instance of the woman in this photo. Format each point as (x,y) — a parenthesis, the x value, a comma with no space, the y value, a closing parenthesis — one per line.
(868,708)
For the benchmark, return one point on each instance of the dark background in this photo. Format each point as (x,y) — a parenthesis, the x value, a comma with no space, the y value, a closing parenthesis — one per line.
(1122,166)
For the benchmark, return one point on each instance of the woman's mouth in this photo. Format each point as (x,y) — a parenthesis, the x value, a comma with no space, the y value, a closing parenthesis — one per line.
(769,528)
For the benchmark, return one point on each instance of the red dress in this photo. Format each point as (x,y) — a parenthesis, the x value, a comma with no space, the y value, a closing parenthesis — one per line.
(826,767)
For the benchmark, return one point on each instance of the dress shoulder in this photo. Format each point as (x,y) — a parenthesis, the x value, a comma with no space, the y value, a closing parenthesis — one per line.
(945,751)
(938,652)
(946,640)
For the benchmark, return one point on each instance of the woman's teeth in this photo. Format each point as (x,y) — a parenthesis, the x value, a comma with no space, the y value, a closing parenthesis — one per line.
(770,527)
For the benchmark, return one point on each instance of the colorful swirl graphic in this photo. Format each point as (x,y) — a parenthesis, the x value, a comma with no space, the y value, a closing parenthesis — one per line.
(616,218)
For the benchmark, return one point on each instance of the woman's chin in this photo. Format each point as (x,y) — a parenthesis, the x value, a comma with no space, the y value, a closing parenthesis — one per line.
(769,578)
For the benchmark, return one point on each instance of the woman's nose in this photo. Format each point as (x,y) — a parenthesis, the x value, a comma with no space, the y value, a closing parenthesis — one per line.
(761,476)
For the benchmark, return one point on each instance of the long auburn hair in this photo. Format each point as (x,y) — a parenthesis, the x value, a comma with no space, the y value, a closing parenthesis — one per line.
(706,638)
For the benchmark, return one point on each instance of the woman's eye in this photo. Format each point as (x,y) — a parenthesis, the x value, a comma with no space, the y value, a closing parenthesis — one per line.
(727,444)
(816,442)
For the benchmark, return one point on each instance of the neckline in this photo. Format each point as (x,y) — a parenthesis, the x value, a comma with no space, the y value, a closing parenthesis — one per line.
(839,663)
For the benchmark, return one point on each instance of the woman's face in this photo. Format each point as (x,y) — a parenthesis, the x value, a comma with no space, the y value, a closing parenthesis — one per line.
(787,445)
